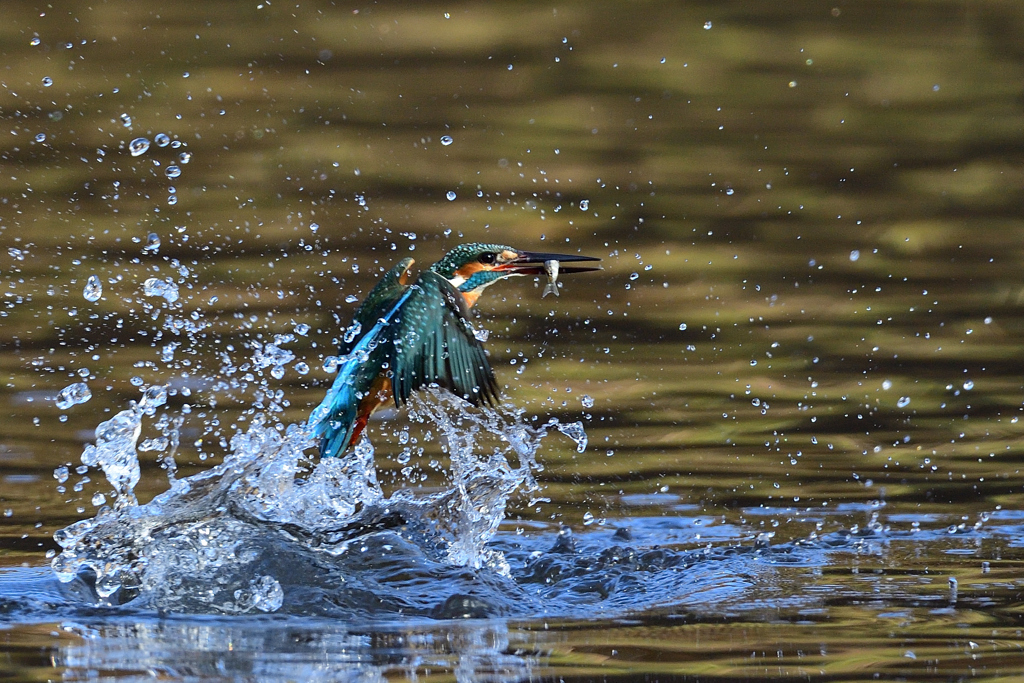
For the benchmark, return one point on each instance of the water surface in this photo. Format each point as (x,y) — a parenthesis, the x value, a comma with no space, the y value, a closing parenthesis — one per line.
(798,373)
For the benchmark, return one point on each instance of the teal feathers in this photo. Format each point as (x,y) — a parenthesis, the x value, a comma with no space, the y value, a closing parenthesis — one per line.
(417,335)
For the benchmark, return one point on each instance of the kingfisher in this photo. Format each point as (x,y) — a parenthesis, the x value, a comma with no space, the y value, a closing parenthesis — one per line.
(406,336)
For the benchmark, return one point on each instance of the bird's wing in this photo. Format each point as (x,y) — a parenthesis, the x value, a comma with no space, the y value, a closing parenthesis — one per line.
(434,342)
(378,302)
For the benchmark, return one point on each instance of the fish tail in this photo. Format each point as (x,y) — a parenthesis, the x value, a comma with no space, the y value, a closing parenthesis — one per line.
(550,288)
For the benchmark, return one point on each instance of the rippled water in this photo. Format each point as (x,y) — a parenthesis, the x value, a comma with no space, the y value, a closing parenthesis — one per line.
(797,376)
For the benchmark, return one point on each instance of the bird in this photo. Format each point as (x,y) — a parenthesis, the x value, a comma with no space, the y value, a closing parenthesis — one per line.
(407,336)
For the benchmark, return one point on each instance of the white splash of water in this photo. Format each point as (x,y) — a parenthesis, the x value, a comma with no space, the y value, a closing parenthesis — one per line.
(207,543)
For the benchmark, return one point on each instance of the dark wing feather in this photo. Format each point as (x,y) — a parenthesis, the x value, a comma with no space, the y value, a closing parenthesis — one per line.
(434,343)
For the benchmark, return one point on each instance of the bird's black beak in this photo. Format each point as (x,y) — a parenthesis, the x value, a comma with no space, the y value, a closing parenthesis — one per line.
(532,263)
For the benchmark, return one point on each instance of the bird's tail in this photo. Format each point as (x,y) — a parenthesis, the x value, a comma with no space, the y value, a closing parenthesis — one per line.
(334,420)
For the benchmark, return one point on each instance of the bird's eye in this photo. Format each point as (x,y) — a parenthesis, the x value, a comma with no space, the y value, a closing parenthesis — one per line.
(488,257)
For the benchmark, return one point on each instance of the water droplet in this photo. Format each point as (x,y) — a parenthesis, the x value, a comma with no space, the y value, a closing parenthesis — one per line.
(172,171)
(587,401)
(126,120)
(314,227)
(707,25)
(903,402)
(153,397)
(729,191)
(138,146)
(302,329)
(968,385)
(73,394)
(41,137)
(753,363)
(682,326)
(47,81)
(161,140)
(854,255)
(185,157)
(887,385)
(99,499)
(584,204)
(446,140)
(35,41)
(172,200)
(301,368)
(93,288)
(451,195)
(351,299)
(634,276)
(152,243)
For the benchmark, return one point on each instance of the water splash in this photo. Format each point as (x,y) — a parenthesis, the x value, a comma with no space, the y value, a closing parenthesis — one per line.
(574,431)
(224,540)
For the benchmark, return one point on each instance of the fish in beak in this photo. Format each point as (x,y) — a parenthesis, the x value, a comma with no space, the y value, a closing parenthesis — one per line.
(540,263)
(533,263)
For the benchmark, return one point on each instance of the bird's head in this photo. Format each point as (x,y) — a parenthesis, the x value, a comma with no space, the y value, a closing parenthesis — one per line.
(471,268)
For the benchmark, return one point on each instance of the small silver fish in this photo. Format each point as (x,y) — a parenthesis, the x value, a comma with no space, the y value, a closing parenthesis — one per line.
(552,286)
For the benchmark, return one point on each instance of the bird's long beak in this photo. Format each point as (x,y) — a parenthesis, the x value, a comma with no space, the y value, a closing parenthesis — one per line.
(532,263)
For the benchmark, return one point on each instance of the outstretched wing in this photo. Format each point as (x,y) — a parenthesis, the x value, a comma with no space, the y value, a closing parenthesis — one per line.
(434,343)
(378,302)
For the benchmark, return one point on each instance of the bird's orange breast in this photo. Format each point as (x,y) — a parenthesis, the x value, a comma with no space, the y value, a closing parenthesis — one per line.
(378,395)
(471,297)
